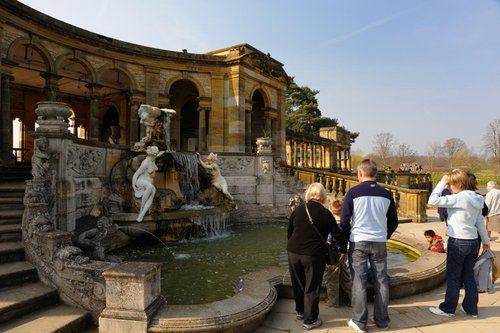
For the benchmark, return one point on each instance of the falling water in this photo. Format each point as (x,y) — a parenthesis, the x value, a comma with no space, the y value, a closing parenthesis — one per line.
(214,226)
(188,176)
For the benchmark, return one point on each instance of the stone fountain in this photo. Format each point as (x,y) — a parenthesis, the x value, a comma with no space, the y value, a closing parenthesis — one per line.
(177,195)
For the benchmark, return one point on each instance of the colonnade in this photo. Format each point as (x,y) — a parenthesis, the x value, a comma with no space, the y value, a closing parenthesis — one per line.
(317,153)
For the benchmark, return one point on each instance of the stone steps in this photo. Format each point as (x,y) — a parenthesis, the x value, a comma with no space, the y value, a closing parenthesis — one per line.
(11,251)
(58,318)
(26,304)
(17,272)
(26,298)
(10,203)
(15,173)
(10,232)
(14,216)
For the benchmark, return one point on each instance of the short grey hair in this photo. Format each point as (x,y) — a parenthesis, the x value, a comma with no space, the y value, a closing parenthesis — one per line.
(491,184)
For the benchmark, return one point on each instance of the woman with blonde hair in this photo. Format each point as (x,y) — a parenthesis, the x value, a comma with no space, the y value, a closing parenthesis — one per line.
(465,222)
(306,252)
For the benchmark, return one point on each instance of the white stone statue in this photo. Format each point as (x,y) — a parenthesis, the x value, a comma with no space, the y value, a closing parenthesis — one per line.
(213,171)
(156,127)
(143,178)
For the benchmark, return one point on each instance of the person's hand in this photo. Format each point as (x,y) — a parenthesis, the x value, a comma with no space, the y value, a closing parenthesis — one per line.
(486,247)
(445,179)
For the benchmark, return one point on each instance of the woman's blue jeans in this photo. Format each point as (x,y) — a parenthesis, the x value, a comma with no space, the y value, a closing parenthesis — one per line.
(460,260)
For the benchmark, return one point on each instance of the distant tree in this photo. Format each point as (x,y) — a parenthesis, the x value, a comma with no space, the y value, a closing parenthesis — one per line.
(405,152)
(451,148)
(433,151)
(327,122)
(383,145)
(491,141)
(353,136)
(302,110)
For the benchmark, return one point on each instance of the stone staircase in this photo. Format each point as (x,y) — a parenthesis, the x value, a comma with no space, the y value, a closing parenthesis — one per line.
(26,304)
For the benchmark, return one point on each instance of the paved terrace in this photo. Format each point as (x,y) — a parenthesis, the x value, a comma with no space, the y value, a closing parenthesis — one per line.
(408,314)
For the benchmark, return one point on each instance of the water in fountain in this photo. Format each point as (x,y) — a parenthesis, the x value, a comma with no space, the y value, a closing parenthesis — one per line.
(149,233)
(188,176)
(202,270)
(214,226)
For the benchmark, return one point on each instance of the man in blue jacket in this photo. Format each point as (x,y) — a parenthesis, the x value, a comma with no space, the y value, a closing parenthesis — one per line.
(368,219)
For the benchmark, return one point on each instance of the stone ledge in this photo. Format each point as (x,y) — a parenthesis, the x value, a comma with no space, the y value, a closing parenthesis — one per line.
(244,312)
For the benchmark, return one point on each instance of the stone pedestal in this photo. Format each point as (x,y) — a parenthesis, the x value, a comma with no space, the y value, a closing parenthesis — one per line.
(132,297)
(265,179)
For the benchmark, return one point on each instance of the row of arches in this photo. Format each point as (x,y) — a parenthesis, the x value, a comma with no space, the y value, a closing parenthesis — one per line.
(105,97)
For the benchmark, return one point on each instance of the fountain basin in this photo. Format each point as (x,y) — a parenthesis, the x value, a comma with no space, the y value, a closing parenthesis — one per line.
(257,292)
(175,225)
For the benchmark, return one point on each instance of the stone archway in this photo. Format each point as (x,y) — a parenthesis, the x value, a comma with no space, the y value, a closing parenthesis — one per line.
(185,125)
(113,93)
(258,128)
(111,126)
(28,66)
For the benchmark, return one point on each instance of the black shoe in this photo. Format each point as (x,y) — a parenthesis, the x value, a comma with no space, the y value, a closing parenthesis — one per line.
(300,316)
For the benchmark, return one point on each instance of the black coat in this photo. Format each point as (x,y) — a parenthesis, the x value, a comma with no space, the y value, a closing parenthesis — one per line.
(303,239)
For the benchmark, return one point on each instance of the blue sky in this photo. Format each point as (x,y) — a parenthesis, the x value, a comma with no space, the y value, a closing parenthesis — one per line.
(423,70)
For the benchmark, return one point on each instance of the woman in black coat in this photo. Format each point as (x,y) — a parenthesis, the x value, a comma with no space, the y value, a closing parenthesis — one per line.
(306,252)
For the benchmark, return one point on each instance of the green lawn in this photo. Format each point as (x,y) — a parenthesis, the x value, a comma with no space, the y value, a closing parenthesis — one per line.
(482,178)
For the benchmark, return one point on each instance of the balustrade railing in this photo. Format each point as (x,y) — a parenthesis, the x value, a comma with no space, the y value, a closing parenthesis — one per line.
(410,198)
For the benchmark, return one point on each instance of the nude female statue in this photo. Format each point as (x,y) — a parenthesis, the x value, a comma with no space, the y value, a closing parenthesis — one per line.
(143,178)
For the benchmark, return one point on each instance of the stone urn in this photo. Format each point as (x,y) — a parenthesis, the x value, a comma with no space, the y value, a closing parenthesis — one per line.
(264,145)
(53,116)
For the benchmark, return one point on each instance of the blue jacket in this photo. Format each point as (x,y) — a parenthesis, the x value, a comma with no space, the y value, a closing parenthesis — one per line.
(368,213)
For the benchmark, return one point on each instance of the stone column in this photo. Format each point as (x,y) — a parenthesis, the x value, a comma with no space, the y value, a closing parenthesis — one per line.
(248,127)
(349,159)
(132,297)
(5,133)
(294,152)
(152,85)
(203,109)
(314,155)
(51,85)
(216,120)
(134,121)
(95,98)
(53,124)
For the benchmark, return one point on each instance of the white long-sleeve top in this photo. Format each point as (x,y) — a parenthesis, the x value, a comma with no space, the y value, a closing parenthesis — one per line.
(465,218)
(493,201)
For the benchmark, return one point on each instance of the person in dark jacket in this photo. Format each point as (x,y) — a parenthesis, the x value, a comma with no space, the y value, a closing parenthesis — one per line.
(307,252)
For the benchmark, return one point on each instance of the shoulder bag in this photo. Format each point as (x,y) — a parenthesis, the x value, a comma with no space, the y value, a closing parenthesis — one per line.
(332,256)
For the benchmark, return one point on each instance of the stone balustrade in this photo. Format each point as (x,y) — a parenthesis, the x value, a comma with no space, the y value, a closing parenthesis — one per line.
(411,203)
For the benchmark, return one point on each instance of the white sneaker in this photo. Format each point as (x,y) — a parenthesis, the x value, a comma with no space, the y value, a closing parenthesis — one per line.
(354,326)
(437,311)
(312,325)
(463,310)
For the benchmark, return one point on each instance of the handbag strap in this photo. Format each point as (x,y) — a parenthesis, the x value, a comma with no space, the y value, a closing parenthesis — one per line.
(312,223)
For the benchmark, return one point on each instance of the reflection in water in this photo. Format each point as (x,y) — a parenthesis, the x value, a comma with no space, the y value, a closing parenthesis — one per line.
(202,270)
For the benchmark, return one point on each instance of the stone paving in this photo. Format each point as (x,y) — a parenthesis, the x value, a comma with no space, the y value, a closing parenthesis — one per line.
(409,314)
